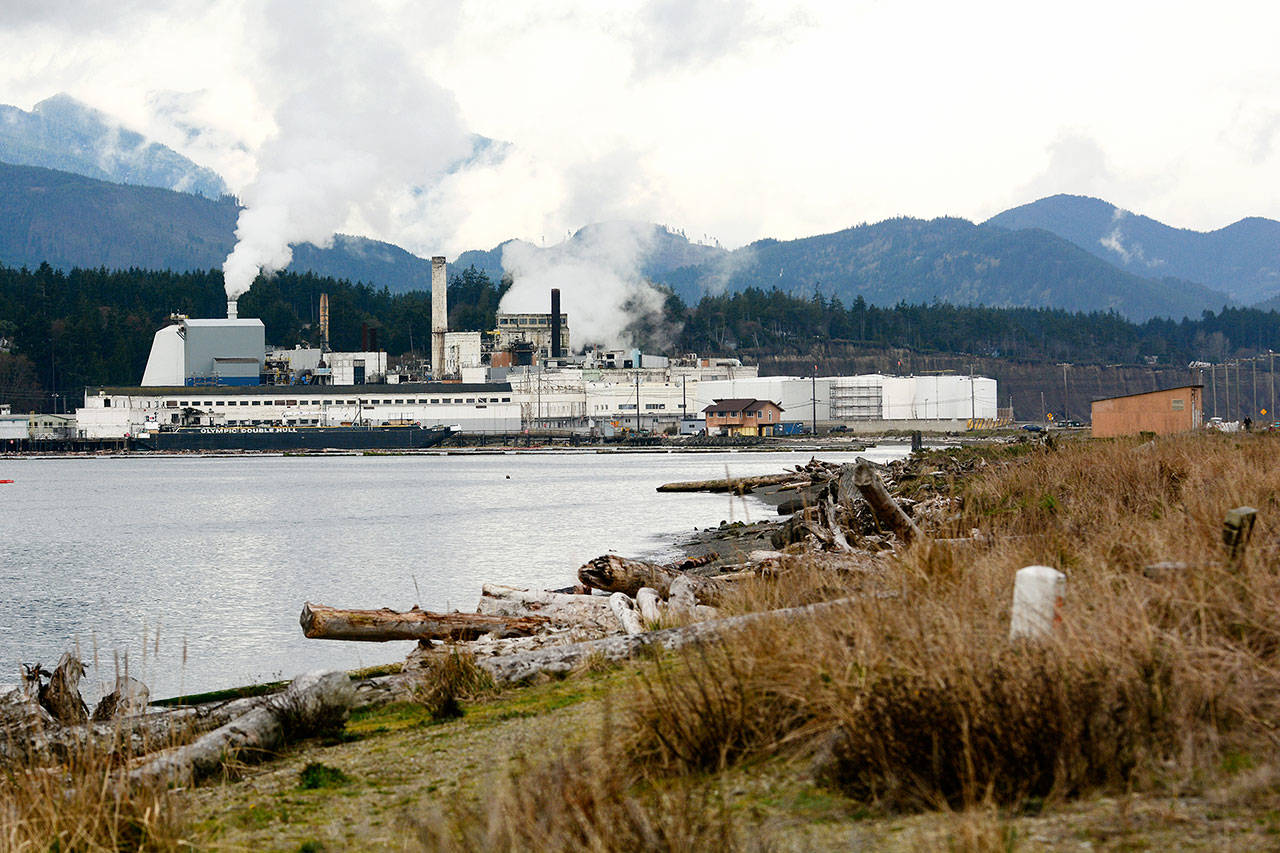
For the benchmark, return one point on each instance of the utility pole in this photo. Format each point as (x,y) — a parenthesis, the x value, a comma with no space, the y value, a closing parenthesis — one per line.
(1213,383)
(1254,362)
(1043,418)
(1066,403)
(1272,357)
(815,399)
(973,407)
(1226,376)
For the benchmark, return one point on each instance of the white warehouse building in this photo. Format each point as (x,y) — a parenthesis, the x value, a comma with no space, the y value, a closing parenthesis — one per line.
(487,408)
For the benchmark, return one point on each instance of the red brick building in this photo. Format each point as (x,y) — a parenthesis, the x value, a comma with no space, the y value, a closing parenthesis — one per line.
(743,417)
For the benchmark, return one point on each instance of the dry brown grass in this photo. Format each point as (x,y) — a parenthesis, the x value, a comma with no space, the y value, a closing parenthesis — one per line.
(1146,684)
(74,802)
(583,801)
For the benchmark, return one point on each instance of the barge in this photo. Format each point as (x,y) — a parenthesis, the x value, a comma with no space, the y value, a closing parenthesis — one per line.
(279,437)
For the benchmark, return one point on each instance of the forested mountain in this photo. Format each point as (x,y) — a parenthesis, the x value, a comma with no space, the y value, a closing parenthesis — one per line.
(1242,259)
(71,221)
(63,133)
(946,260)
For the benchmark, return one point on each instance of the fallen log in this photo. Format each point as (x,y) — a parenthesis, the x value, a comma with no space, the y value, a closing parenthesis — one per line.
(886,509)
(625,609)
(833,524)
(313,702)
(582,611)
(612,573)
(738,485)
(329,623)
(650,604)
(515,668)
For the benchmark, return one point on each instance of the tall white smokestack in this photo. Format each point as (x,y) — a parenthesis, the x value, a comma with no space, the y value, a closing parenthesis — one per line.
(439,314)
(231,309)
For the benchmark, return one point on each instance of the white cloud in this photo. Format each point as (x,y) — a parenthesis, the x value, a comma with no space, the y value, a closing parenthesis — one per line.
(724,117)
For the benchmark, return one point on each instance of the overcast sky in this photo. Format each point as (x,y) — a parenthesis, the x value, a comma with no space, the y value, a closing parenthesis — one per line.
(728,119)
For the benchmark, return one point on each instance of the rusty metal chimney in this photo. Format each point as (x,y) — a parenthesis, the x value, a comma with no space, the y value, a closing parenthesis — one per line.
(439,314)
(556,351)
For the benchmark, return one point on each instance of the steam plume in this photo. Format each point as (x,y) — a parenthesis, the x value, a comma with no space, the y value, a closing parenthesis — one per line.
(357,127)
(597,272)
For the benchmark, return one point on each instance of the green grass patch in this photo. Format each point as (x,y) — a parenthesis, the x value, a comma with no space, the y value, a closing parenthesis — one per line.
(317,775)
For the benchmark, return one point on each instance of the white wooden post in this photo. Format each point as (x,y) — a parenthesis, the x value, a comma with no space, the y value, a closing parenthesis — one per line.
(1037,602)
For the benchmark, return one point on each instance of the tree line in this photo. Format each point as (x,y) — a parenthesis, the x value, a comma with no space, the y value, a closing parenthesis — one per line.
(62,331)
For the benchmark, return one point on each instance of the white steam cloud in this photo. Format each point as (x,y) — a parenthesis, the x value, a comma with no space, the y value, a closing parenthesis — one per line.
(598,273)
(358,126)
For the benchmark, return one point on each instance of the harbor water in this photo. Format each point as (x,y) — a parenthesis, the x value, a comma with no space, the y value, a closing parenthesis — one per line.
(191,571)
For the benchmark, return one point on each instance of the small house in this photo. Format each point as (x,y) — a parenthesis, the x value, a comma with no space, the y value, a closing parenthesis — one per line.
(1160,412)
(743,417)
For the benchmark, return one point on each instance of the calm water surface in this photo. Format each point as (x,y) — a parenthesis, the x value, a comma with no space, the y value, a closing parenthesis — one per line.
(194,569)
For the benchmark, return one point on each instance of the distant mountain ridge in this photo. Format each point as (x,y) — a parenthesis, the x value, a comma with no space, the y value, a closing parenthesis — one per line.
(947,260)
(65,134)
(70,221)
(1242,259)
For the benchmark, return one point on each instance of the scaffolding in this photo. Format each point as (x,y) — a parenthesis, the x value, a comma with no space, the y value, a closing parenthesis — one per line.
(856,399)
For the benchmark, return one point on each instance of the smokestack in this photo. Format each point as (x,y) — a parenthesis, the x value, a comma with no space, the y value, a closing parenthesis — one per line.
(439,314)
(324,319)
(555,323)
(231,309)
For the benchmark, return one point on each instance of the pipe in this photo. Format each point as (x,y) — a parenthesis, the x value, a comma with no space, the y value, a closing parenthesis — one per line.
(556,352)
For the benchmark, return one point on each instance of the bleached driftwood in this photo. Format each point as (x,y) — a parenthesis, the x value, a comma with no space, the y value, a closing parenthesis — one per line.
(650,604)
(681,596)
(886,509)
(330,623)
(585,611)
(312,702)
(731,484)
(612,573)
(513,669)
(625,610)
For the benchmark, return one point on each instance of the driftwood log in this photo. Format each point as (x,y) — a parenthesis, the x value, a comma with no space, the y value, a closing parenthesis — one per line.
(650,604)
(578,611)
(731,484)
(625,609)
(329,623)
(515,668)
(886,509)
(313,702)
(612,573)
(61,696)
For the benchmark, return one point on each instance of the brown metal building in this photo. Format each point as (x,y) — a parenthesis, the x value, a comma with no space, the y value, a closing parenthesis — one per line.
(1161,412)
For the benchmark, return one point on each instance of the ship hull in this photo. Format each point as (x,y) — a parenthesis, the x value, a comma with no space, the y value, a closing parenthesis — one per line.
(268,438)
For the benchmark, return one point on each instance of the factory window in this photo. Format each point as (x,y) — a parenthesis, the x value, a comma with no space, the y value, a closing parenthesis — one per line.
(435,400)
(399,402)
(106,404)
(1177,405)
(471,399)
(291,403)
(257,403)
(208,402)
(280,403)
(626,405)
(506,399)
(171,404)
